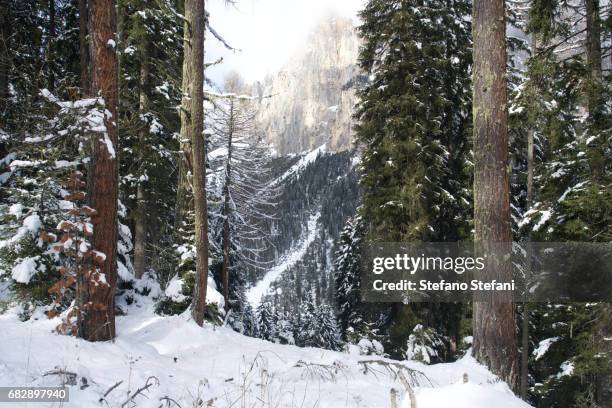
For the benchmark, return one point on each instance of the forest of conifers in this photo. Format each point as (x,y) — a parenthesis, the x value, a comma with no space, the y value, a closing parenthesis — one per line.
(125,172)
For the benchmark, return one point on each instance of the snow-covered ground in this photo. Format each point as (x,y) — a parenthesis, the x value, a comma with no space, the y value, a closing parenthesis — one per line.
(221,368)
(294,254)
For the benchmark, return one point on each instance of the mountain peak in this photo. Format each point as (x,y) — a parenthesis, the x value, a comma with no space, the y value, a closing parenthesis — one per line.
(311,105)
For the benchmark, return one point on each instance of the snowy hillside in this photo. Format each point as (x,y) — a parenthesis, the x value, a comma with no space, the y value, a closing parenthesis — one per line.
(183,363)
(262,287)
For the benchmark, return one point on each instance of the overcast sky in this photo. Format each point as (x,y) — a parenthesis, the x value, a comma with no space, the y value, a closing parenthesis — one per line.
(268,32)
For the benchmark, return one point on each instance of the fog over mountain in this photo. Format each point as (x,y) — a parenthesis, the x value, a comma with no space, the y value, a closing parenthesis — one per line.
(313,94)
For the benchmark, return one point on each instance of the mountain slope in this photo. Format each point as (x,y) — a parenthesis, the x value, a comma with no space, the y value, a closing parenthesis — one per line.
(293,255)
(319,191)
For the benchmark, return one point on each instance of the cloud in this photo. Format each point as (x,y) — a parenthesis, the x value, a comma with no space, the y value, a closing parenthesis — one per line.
(267,32)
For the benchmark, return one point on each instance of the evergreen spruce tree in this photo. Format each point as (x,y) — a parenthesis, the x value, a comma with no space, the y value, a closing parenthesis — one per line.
(572,197)
(266,325)
(413,125)
(326,330)
(351,319)
(150,62)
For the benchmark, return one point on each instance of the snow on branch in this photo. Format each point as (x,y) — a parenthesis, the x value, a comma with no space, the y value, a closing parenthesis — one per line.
(217,35)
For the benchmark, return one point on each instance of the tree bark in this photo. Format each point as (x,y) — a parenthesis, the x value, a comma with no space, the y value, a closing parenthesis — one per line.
(51,47)
(226,211)
(97,321)
(184,202)
(84,48)
(593,52)
(192,126)
(494,319)
(141,201)
(5,34)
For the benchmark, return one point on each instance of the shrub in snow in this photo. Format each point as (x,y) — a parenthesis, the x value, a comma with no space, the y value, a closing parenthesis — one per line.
(370,347)
(177,295)
(426,345)
(25,262)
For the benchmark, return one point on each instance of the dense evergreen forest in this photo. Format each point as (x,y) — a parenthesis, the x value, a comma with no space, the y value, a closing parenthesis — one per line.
(127,174)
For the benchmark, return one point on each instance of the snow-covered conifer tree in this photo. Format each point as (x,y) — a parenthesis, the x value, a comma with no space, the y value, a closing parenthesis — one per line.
(266,325)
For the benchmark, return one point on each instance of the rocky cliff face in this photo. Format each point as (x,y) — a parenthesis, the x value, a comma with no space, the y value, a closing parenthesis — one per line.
(312,100)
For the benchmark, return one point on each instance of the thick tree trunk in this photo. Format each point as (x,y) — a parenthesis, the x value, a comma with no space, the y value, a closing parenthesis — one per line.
(494,318)
(84,48)
(593,51)
(192,124)
(226,211)
(141,202)
(98,312)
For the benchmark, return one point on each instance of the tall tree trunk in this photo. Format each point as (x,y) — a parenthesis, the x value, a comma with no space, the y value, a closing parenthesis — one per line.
(494,320)
(525,322)
(98,312)
(51,47)
(141,202)
(5,34)
(192,126)
(184,202)
(84,48)
(226,211)
(593,51)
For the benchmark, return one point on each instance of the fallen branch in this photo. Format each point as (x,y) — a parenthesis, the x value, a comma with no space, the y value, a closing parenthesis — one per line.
(397,371)
(327,372)
(169,400)
(408,388)
(103,397)
(68,377)
(148,384)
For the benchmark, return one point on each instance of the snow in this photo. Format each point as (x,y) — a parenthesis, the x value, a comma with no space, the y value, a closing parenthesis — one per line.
(293,255)
(124,273)
(213,295)
(543,347)
(571,189)
(468,395)
(590,139)
(304,161)
(24,163)
(543,219)
(567,368)
(129,50)
(109,146)
(31,225)
(15,210)
(24,270)
(155,127)
(174,290)
(219,365)
(60,164)
(218,153)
